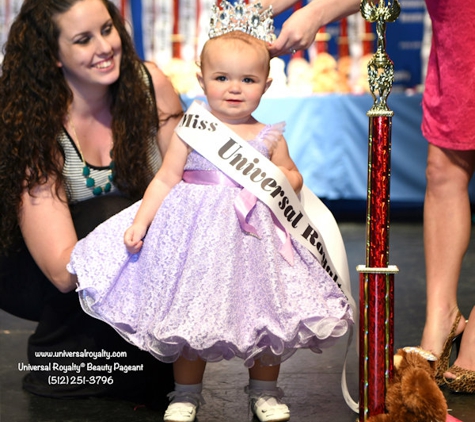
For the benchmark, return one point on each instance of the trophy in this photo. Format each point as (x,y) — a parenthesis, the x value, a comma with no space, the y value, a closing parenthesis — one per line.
(376,343)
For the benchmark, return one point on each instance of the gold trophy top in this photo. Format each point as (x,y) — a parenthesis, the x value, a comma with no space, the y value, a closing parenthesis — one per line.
(380,67)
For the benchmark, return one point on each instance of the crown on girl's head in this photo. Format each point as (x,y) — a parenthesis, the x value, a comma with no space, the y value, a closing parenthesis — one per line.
(242,17)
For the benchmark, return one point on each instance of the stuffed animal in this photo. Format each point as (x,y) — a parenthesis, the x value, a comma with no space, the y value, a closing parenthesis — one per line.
(412,394)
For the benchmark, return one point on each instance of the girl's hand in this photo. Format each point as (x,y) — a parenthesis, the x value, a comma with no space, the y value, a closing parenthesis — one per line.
(133,238)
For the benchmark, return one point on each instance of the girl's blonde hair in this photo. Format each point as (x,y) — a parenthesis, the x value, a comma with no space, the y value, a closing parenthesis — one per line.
(236,37)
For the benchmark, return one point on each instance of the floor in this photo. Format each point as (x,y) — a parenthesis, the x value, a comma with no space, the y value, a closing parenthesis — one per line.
(311,382)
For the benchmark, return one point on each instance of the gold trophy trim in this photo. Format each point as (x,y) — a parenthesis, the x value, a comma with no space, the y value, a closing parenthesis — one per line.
(380,67)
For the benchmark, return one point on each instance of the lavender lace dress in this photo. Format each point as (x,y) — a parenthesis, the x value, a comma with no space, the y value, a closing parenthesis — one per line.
(202,286)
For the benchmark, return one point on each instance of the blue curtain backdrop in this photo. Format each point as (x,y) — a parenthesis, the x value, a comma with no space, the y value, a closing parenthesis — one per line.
(404,43)
(136,10)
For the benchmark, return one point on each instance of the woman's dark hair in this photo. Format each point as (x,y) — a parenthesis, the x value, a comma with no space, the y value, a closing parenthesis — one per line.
(34,99)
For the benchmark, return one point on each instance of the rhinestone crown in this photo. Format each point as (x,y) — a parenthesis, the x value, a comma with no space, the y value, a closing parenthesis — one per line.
(242,17)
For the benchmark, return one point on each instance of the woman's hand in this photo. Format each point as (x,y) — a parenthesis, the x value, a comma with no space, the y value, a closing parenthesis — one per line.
(298,33)
(299,30)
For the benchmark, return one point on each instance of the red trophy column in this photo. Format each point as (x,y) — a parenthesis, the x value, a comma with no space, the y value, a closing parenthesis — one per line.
(377,276)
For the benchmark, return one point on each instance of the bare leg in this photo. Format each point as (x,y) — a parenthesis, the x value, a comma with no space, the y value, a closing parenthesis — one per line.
(186,398)
(264,373)
(447,224)
(188,371)
(466,357)
(264,396)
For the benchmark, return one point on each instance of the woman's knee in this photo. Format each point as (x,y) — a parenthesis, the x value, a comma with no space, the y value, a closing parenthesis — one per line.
(449,169)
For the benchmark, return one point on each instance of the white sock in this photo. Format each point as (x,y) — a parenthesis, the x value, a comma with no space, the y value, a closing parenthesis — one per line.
(262,385)
(189,388)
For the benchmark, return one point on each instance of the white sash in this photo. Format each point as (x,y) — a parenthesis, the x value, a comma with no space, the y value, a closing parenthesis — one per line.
(248,167)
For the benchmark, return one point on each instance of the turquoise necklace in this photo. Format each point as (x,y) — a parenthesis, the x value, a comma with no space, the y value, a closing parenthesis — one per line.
(86,170)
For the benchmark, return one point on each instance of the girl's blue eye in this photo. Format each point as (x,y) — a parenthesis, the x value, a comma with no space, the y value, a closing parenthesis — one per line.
(248,80)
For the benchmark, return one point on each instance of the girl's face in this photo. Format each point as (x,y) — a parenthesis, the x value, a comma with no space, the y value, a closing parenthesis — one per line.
(234,78)
(90,48)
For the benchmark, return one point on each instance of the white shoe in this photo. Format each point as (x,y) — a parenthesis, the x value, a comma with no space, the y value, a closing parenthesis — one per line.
(267,406)
(183,406)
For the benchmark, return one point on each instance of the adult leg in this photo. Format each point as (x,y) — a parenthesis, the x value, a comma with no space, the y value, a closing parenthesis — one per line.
(447,224)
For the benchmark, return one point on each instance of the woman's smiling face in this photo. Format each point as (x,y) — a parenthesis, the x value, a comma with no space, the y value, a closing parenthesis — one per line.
(89,46)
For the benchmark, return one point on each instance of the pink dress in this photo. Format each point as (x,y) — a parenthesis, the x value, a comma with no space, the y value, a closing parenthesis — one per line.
(449,96)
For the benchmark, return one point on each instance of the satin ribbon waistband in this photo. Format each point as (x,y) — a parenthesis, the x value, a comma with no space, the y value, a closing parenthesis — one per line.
(243,206)
(208,177)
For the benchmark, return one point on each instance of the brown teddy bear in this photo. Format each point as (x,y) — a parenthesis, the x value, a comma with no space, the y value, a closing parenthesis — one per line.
(413,395)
